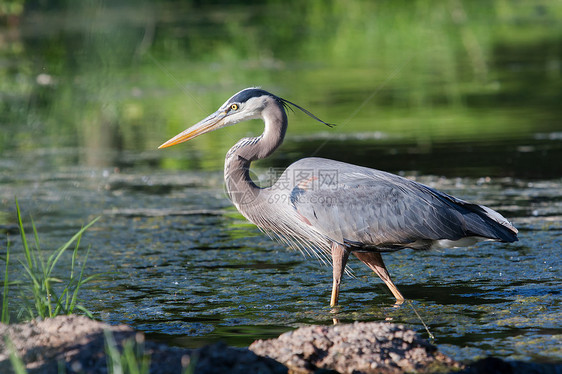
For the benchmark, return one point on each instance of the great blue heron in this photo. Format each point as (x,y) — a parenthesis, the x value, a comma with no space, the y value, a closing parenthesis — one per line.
(322,206)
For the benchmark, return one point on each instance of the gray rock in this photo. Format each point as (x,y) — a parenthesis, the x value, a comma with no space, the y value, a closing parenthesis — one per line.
(355,348)
(78,345)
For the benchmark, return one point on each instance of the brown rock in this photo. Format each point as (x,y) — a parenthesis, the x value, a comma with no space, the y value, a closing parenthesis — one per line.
(77,344)
(355,348)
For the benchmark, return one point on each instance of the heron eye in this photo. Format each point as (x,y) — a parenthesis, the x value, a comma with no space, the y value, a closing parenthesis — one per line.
(234,106)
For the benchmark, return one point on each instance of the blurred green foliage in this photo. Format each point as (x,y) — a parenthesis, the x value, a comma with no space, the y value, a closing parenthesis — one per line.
(10,8)
(129,74)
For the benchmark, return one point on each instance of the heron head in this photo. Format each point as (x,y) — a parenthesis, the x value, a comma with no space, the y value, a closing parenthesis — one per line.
(246,104)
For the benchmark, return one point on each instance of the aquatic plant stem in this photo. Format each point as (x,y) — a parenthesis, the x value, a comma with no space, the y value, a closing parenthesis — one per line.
(431,336)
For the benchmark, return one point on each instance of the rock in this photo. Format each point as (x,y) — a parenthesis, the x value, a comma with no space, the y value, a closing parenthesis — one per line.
(362,347)
(41,344)
(78,345)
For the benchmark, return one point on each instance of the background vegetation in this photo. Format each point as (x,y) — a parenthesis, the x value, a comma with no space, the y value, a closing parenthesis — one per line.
(127,75)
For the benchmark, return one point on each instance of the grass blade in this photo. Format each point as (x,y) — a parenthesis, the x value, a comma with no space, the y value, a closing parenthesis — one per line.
(31,275)
(22,233)
(60,251)
(17,364)
(36,254)
(80,281)
(5,314)
(113,357)
(35,235)
(86,312)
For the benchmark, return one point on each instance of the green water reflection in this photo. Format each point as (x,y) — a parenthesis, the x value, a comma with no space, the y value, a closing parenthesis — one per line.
(112,75)
(454,89)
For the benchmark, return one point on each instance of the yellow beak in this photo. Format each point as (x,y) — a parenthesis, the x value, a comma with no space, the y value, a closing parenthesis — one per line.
(213,122)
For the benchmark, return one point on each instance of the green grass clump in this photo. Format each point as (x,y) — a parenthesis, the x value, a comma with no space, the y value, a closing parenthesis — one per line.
(40,293)
(133,359)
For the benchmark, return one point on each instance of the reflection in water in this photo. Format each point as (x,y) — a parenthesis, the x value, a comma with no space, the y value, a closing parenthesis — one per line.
(127,75)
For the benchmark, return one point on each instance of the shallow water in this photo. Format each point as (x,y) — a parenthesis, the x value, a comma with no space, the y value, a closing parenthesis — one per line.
(181,264)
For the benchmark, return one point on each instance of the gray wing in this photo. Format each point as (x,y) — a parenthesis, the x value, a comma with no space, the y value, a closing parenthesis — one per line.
(364,207)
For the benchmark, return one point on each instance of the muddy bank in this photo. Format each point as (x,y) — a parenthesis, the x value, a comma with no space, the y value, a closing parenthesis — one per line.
(76,344)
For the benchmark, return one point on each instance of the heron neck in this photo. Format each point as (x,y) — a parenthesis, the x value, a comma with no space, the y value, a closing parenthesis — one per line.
(239,184)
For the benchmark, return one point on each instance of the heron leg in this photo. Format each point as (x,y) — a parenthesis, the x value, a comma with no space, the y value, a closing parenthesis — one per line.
(374,261)
(339,258)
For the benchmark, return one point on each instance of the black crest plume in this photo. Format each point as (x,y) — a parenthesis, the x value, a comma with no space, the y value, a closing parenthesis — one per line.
(287,105)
